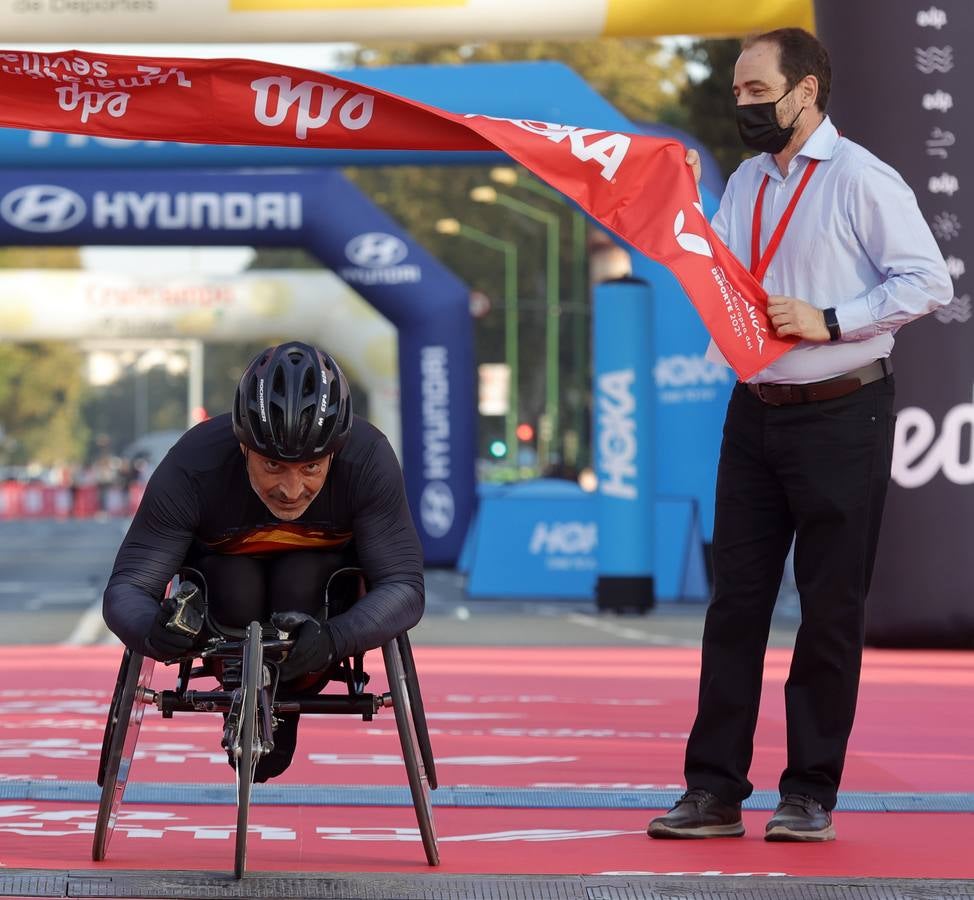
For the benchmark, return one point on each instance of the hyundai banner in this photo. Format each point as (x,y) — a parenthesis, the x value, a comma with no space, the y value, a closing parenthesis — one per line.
(322,211)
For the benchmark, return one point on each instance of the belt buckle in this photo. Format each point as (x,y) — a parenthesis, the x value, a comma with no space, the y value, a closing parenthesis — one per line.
(763,398)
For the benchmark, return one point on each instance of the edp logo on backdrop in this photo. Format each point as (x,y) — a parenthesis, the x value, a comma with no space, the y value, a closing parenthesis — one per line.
(919,452)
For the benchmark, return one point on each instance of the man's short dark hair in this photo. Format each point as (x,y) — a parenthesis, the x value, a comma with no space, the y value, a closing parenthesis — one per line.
(799,54)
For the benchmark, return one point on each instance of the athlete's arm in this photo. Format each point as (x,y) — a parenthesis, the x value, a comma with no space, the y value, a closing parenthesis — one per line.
(153,548)
(390,554)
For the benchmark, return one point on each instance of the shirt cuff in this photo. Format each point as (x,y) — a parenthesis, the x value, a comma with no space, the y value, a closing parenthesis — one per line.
(853,316)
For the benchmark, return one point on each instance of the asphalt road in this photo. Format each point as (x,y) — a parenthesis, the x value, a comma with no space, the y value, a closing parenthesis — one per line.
(52,575)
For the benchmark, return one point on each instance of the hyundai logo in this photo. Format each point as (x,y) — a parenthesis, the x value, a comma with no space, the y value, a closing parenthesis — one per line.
(376,250)
(436,508)
(42,208)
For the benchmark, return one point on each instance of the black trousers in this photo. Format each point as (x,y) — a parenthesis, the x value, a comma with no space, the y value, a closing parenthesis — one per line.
(244,589)
(816,473)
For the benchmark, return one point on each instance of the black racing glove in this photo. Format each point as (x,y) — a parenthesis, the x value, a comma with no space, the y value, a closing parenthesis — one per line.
(164,644)
(313,651)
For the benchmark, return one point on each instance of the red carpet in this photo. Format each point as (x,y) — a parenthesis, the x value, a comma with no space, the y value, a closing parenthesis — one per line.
(519,841)
(545,717)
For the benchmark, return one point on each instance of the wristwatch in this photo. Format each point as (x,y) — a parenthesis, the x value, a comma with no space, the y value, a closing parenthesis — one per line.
(832,323)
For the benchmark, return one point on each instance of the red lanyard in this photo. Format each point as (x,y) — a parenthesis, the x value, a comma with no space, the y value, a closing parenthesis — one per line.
(759,264)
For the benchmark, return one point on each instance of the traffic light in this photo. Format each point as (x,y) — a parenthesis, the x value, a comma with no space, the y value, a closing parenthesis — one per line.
(524,432)
(498,449)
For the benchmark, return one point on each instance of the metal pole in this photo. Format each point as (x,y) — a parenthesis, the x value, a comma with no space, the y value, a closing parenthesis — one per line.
(141,402)
(579,330)
(194,380)
(552,315)
(553,337)
(580,289)
(511,334)
(511,338)
(581,350)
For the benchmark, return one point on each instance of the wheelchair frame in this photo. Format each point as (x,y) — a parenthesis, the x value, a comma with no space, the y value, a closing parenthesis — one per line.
(248,729)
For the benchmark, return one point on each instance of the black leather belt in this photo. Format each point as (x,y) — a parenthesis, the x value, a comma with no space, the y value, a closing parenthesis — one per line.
(830,389)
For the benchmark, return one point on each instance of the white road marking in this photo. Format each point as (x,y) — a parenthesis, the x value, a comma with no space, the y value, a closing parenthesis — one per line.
(623,631)
(61,597)
(90,628)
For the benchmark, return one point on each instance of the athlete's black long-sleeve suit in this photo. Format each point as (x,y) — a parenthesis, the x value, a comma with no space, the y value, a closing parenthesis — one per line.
(199,502)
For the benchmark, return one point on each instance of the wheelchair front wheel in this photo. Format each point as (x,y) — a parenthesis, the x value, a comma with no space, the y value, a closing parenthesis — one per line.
(418,710)
(112,721)
(118,745)
(419,785)
(246,750)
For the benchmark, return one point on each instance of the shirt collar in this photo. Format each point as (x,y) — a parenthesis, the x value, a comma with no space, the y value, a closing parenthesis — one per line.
(819,145)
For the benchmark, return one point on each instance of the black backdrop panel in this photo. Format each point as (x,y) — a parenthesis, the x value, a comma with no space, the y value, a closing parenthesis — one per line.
(903,86)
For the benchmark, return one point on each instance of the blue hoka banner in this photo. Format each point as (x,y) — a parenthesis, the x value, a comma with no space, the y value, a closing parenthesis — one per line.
(541,539)
(321,211)
(535,539)
(624,438)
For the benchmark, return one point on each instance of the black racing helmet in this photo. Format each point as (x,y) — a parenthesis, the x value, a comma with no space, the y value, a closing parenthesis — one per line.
(292,404)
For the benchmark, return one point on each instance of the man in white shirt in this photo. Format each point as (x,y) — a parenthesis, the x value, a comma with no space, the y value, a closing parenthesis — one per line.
(840,245)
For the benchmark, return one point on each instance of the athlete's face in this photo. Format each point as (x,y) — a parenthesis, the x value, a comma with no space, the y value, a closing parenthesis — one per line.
(286,489)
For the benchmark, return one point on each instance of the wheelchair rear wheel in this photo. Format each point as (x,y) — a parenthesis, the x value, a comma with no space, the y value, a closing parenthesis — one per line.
(247,749)
(419,785)
(118,744)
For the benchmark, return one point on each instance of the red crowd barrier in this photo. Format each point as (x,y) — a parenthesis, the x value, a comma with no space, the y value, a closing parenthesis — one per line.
(19,500)
(10,494)
(38,501)
(85,501)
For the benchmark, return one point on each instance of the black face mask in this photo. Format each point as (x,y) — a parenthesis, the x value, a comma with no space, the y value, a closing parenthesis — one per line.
(757,124)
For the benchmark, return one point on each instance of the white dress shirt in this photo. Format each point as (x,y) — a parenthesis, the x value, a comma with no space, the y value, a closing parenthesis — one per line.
(856,241)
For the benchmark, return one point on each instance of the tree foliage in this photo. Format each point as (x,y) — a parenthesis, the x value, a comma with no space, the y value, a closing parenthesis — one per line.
(706,106)
(639,77)
(42,387)
(41,384)
(39,258)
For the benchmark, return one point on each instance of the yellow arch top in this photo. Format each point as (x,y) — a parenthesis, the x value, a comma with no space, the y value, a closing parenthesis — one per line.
(412,20)
(706,18)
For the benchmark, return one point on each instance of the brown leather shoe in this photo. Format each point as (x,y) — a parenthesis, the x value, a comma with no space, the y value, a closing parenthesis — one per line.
(699,814)
(800,818)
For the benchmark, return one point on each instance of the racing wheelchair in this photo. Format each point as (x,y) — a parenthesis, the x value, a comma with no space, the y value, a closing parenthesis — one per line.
(249,706)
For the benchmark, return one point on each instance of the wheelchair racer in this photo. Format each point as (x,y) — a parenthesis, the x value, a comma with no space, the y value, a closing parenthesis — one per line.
(267,502)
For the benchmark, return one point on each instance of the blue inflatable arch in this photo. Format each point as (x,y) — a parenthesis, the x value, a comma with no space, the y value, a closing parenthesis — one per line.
(321,211)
